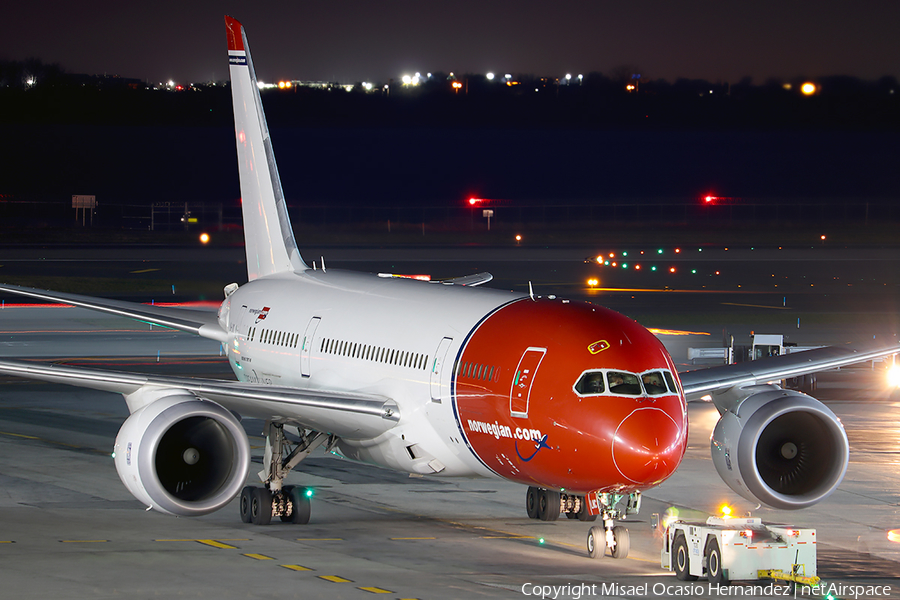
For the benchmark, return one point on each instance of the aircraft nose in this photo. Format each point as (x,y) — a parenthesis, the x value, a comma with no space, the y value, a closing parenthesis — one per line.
(648,446)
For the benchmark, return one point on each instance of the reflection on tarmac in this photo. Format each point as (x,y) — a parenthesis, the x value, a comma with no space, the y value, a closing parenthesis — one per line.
(70,529)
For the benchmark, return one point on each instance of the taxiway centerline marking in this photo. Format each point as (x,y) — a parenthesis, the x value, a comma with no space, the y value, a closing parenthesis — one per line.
(334,579)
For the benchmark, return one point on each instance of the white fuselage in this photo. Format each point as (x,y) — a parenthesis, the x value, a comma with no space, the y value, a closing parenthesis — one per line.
(358,332)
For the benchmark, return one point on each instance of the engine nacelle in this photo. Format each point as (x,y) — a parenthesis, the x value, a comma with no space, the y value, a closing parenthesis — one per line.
(781,448)
(182,455)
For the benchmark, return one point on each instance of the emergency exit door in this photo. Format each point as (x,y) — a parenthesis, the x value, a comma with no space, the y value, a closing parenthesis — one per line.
(308,337)
(520,392)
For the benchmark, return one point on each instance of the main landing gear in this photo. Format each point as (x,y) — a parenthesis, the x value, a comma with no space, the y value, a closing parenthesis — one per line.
(290,503)
(547,505)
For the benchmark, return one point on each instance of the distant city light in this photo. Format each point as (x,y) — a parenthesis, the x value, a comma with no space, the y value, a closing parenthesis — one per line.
(490,76)
(204,238)
(568,77)
(808,89)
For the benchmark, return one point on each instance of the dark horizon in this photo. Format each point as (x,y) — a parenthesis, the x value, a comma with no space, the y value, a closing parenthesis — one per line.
(352,40)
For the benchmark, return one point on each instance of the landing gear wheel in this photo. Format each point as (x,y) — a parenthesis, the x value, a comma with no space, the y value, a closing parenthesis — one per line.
(246,494)
(548,505)
(682,560)
(301,507)
(583,514)
(571,515)
(261,506)
(714,571)
(286,496)
(596,542)
(623,542)
(531,502)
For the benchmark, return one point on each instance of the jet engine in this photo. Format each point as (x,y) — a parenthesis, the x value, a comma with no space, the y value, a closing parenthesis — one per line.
(781,448)
(182,455)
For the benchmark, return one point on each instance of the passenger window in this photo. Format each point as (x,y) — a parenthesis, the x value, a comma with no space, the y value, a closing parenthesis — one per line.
(590,383)
(625,384)
(654,383)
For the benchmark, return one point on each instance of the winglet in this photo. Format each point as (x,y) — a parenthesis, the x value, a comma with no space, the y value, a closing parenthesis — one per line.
(268,237)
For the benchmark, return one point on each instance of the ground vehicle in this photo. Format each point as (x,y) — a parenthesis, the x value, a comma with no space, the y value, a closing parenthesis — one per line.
(732,549)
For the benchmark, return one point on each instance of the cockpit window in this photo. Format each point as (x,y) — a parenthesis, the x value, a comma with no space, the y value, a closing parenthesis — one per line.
(625,384)
(671,381)
(654,383)
(590,383)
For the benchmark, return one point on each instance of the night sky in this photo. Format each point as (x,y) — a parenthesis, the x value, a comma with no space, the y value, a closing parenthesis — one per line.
(367,40)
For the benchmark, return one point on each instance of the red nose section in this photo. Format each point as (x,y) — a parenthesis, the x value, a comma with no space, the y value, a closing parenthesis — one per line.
(647,447)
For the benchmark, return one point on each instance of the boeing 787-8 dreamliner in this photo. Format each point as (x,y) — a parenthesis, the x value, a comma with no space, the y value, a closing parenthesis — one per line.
(578,403)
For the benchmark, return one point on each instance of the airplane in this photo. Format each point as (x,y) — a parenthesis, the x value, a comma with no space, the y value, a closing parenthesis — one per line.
(582,405)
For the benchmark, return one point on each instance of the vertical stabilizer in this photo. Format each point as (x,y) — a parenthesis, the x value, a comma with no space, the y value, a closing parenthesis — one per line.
(268,236)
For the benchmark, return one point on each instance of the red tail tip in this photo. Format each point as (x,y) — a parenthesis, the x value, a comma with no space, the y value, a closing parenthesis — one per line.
(233,29)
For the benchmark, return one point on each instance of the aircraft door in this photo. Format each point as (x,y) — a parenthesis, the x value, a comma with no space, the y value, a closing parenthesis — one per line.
(437,367)
(305,348)
(520,392)
(239,323)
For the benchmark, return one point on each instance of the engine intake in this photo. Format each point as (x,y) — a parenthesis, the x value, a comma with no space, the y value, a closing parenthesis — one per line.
(781,448)
(182,455)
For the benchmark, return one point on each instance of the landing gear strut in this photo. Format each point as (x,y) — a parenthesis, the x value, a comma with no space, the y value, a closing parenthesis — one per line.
(290,503)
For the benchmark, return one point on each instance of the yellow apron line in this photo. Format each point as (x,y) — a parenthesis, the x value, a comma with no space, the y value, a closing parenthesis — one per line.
(297,568)
(334,579)
(259,556)
(375,590)
(19,435)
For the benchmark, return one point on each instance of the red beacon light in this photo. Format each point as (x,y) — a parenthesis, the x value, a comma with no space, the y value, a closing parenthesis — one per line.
(474,201)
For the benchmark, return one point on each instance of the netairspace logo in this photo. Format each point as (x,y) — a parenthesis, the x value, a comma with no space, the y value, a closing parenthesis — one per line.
(576,591)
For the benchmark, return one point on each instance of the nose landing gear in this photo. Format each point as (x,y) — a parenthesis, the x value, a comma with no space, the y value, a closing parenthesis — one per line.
(612,536)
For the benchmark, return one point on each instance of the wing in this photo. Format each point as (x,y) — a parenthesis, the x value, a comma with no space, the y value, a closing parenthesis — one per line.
(346,414)
(202,323)
(469,280)
(717,379)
